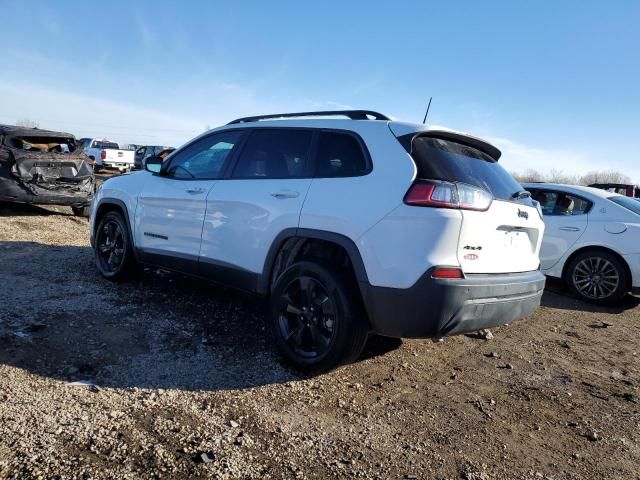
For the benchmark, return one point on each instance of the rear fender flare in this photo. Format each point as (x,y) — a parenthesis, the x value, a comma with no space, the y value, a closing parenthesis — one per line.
(349,246)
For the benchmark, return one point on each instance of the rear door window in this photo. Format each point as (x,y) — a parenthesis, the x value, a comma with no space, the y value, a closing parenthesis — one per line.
(438,159)
(275,153)
(556,203)
(340,155)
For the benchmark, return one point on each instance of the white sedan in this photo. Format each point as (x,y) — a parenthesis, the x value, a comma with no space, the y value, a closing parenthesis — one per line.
(591,241)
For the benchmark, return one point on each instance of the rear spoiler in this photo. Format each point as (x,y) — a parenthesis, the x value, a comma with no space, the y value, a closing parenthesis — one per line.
(468,140)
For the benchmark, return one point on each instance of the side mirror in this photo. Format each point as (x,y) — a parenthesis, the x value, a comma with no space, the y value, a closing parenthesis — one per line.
(153,164)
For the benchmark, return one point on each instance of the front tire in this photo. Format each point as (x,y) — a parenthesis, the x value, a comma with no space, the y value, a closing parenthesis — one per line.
(113,248)
(598,277)
(316,317)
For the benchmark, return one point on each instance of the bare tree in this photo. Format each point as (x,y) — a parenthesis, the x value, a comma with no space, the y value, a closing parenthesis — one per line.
(558,176)
(530,175)
(27,122)
(604,176)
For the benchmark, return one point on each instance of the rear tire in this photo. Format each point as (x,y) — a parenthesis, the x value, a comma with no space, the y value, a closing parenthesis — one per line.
(81,211)
(316,317)
(113,248)
(598,277)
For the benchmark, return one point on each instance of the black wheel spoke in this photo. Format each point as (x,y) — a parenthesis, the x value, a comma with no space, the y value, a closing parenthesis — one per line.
(290,306)
(111,246)
(320,339)
(307,317)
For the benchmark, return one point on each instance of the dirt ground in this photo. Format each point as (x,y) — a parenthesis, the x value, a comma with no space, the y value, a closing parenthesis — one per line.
(170,377)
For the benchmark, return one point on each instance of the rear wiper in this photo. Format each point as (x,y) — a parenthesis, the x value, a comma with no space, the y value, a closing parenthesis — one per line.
(519,195)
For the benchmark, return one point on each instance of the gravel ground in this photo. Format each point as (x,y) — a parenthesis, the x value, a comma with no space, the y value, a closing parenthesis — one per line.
(169,377)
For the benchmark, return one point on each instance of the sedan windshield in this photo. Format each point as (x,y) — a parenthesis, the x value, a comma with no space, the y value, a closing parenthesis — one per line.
(627,202)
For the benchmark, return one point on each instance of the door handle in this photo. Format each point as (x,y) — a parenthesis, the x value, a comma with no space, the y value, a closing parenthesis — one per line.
(285,194)
(195,190)
(569,229)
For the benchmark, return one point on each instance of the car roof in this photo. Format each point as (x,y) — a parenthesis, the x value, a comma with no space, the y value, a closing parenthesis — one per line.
(15,130)
(397,128)
(596,192)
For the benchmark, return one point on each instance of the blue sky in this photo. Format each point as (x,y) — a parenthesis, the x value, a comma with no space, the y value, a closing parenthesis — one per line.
(554,84)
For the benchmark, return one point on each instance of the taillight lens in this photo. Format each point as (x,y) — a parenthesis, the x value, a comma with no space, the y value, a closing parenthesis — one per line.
(538,208)
(103,154)
(434,193)
(447,272)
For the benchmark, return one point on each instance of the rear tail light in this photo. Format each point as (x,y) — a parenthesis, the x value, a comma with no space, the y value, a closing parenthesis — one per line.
(447,272)
(103,154)
(434,193)
(538,208)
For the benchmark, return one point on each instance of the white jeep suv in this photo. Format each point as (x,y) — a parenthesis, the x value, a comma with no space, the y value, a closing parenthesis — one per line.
(349,227)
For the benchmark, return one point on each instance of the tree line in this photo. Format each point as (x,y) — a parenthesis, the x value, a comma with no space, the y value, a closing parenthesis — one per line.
(558,176)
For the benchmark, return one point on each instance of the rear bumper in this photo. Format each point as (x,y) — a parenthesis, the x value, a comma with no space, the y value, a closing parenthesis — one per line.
(117,165)
(633,261)
(438,307)
(15,191)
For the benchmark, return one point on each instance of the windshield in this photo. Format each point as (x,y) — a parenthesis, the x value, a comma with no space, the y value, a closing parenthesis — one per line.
(439,159)
(627,202)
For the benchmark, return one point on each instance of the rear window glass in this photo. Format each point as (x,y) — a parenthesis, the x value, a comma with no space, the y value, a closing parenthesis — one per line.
(627,202)
(106,145)
(274,153)
(438,159)
(41,144)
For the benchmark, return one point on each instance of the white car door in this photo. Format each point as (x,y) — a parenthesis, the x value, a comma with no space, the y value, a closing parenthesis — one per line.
(172,204)
(565,218)
(263,197)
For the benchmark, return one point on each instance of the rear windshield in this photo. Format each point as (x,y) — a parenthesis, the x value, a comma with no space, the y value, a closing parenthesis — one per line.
(438,159)
(106,145)
(628,203)
(41,144)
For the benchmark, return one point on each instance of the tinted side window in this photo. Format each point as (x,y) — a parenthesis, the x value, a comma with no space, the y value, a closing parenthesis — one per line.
(340,155)
(205,158)
(275,153)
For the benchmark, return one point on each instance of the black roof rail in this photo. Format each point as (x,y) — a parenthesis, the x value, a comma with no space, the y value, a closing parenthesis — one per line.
(352,114)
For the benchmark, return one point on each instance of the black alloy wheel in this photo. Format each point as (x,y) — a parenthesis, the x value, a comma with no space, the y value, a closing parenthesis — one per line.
(112,247)
(307,317)
(316,317)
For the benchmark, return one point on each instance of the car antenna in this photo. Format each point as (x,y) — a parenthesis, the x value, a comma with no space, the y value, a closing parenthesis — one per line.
(427,113)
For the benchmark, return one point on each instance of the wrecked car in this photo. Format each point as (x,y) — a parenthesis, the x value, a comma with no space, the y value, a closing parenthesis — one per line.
(44,167)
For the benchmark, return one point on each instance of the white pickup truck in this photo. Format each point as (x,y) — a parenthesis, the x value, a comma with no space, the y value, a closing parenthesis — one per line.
(107,154)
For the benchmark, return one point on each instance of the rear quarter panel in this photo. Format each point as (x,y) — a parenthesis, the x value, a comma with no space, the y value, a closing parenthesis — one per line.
(352,206)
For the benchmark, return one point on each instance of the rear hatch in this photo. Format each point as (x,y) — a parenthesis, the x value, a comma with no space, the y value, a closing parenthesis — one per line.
(502,229)
(48,161)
